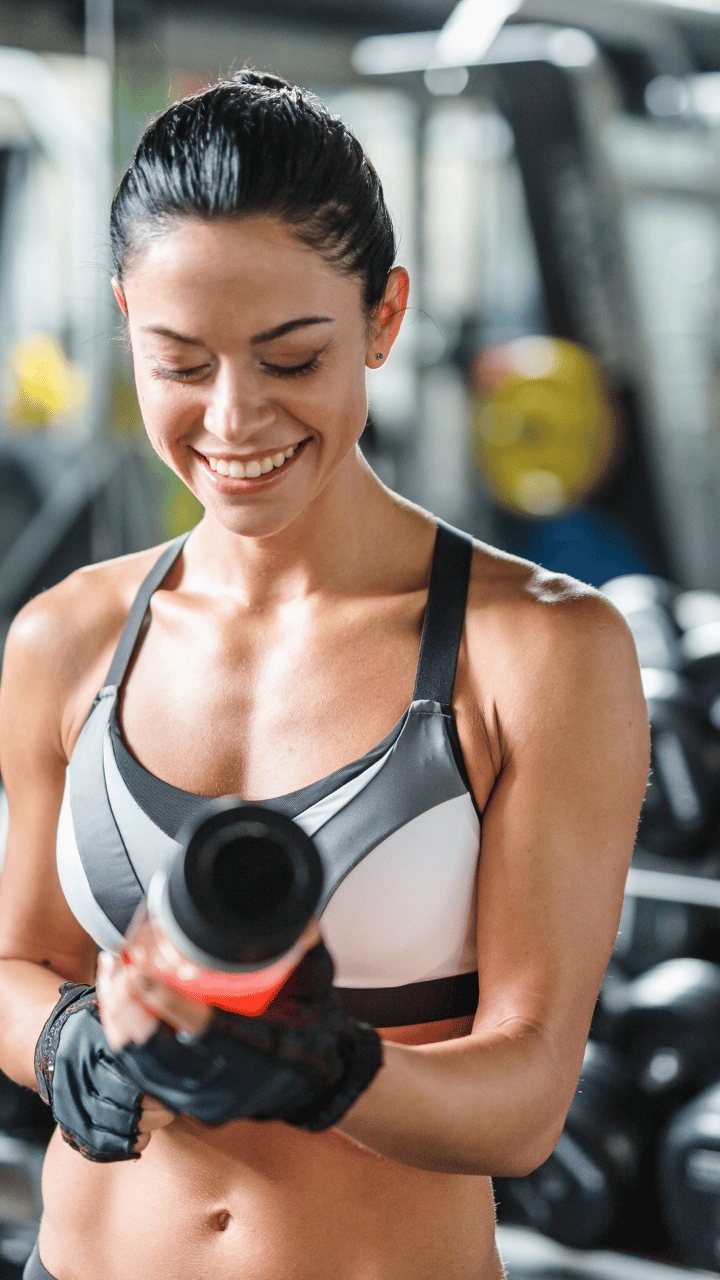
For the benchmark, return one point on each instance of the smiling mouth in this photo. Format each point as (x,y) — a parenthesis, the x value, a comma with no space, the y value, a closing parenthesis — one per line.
(257,468)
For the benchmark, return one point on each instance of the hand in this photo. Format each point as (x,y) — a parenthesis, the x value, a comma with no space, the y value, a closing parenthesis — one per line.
(303,1061)
(153,1116)
(100,1110)
(132,1004)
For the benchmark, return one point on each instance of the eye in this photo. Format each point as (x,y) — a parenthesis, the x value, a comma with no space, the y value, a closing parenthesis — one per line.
(291,370)
(178,375)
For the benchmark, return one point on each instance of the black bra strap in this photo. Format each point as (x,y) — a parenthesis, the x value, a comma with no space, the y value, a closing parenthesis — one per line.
(138,609)
(444,615)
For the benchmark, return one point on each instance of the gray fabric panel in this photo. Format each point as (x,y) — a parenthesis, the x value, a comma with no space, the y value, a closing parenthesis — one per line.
(74,883)
(109,871)
(419,773)
(151,847)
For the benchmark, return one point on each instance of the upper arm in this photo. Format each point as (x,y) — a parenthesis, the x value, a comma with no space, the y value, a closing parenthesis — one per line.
(560,823)
(36,923)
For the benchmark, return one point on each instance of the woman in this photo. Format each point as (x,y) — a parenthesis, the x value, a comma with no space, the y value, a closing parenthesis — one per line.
(254,264)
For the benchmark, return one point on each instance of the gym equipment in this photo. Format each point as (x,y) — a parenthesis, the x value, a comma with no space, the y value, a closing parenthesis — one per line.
(22,1114)
(233,914)
(581,1194)
(700,665)
(688,1175)
(542,430)
(645,602)
(692,609)
(666,1024)
(653,931)
(682,804)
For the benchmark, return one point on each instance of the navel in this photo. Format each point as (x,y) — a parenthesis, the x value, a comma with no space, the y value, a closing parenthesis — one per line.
(221,1220)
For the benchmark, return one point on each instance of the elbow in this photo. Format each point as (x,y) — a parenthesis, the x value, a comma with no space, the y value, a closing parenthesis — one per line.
(529,1139)
(528,1154)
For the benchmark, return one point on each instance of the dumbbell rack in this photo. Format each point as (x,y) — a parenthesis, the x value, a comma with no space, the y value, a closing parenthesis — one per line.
(529,1256)
(669,880)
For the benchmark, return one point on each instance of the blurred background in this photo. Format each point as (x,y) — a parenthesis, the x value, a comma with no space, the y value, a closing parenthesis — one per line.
(553,168)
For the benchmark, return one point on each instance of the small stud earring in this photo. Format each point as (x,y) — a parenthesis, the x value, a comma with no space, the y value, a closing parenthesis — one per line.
(378,355)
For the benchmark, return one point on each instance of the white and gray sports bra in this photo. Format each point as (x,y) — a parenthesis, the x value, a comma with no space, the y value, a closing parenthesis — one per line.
(398,831)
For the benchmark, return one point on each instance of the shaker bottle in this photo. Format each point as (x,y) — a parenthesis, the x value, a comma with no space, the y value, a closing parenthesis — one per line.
(230,916)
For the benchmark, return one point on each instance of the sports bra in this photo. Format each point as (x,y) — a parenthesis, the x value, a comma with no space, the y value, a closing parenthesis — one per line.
(398,831)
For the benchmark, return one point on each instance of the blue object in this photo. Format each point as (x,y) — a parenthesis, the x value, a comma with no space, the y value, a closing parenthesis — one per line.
(587,543)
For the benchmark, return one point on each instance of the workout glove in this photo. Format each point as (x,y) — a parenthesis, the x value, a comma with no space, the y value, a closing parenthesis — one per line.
(304,1061)
(95,1103)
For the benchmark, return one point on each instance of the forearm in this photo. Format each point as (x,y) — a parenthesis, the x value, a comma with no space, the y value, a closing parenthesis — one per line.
(463,1106)
(28,994)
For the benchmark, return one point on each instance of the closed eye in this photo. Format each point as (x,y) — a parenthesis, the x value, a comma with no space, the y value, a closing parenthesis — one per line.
(178,375)
(291,370)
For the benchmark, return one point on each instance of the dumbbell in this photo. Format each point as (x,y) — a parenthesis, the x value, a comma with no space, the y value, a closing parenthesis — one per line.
(22,1114)
(583,1191)
(653,931)
(688,1179)
(692,609)
(666,1025)
(700,666)
(681,810)
(646,602)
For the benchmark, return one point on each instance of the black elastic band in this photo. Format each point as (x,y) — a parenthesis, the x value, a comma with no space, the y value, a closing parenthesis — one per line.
(430,1001)
(444,615)
(138,609)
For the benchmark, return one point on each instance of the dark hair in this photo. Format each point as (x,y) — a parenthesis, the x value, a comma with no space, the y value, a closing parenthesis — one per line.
(257,145)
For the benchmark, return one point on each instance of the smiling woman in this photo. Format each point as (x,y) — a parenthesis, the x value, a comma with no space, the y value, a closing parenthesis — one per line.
(323,645)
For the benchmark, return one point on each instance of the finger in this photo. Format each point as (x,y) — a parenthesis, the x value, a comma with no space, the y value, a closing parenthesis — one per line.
(154,1115)
(123,1017)
(177,1010)
(141,1141)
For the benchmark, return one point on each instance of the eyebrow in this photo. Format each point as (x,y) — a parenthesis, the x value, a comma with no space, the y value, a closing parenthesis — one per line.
(266,336)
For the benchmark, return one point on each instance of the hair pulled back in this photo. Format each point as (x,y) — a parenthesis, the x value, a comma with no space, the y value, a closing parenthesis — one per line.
(258,145)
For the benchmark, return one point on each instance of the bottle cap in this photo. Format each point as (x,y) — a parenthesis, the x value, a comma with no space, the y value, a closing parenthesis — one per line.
(246,884)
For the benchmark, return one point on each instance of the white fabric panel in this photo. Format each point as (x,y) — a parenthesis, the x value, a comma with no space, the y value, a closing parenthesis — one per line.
(318,814)
(75,885)
(408,911)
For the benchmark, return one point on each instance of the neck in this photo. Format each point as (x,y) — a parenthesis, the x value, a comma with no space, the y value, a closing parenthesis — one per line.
(338,544)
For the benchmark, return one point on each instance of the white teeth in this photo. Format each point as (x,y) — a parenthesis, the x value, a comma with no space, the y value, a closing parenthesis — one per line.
(289,452)
(266,466)
(237,470)
(223,467)
(278,459)
(213,463)
(253,470)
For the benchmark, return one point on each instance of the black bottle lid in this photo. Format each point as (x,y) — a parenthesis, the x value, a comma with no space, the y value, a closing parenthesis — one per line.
(246,883)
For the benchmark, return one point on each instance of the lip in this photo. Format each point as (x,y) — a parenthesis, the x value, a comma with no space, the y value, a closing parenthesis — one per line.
(228,484)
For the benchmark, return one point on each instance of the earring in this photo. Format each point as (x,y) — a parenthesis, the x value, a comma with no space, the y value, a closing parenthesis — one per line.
(378,355)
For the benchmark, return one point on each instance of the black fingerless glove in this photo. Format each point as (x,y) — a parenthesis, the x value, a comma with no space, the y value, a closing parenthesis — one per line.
(95,1103)
(304,1061)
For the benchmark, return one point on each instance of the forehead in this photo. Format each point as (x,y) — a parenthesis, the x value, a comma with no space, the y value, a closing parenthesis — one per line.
(249,272)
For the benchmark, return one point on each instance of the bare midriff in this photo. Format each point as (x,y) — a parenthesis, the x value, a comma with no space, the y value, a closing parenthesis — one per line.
(265,1201)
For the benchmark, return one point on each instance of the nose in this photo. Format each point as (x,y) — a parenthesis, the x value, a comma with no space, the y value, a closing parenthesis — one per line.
(237,407)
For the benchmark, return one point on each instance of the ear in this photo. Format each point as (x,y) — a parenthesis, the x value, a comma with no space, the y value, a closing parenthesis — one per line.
(387,318)
(119,295)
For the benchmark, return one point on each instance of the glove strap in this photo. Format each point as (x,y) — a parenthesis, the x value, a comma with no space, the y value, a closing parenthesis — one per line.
(362,1051)
(73,995)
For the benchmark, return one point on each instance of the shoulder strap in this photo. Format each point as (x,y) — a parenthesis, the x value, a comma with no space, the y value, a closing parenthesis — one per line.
(444,615)
(138,609)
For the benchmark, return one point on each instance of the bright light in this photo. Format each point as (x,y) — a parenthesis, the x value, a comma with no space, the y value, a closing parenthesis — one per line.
(470,30)
(700,6)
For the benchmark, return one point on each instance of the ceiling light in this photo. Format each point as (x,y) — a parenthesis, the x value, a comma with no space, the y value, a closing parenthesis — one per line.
(470,30)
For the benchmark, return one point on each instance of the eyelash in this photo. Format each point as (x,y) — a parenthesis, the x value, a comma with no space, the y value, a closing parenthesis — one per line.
(277,370)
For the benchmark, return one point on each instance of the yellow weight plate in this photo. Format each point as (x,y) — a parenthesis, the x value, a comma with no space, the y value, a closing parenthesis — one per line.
(543,433)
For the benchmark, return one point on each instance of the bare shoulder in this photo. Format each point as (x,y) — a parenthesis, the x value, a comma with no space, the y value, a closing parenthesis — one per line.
(60,644)
(530,606)
(538,641)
